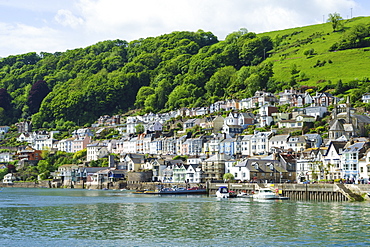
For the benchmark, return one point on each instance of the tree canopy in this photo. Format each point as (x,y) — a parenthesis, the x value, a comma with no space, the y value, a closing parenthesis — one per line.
(179,69)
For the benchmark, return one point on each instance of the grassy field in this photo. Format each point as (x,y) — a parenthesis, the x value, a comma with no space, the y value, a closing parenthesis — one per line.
(346,65)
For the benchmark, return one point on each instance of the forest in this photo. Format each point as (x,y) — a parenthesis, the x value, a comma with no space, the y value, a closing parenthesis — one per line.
(180,69)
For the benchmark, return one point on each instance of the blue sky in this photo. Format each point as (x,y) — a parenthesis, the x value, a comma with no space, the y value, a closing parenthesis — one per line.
(58,25)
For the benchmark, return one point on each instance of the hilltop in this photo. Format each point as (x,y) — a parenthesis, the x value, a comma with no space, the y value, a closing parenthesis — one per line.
(347,65)
(181,69)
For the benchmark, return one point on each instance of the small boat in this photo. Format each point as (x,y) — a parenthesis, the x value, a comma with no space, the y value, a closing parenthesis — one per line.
(174,191)
(243,195)
(224,192)
(268,194)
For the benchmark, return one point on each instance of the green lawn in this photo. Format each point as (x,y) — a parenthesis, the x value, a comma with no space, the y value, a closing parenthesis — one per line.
(346,65)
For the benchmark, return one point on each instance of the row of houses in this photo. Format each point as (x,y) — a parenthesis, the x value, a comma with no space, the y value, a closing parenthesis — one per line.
(261,156)
(291,97)
(224,137)
(232,125)
(345,160)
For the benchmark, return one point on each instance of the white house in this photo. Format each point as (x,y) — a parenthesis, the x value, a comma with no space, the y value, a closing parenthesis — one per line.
(296,143)
(260,142)
(350,161)
(9,178)
(6,157)
(65,145)
(246,148)
(194,173)
(278,142)
(316,111)
(154,126)
(96,151)
(366,98)
(364,165)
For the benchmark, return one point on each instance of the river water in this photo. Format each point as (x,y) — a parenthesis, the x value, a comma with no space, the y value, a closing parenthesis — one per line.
(67,217)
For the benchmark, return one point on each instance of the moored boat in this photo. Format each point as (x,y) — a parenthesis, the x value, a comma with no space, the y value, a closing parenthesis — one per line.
(243,195)
(174,191)
(267,194)
(224,192)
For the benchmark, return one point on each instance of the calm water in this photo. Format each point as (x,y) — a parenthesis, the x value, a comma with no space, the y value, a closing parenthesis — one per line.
(61,217)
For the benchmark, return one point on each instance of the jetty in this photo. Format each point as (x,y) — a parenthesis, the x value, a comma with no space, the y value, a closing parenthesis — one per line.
(316,191)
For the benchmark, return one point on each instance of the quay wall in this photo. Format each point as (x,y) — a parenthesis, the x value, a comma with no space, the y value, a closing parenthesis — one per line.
(39,184)
(322,192)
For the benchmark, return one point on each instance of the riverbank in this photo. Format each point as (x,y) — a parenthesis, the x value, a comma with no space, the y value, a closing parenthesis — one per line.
(325,192)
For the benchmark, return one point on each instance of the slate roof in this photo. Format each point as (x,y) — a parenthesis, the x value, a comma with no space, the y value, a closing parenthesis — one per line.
(337,126)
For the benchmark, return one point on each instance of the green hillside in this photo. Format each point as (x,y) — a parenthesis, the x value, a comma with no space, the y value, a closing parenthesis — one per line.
(181,69)
(351,64)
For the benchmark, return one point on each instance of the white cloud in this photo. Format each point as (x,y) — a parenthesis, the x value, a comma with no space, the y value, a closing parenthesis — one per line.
(21,38)
(66,18)
(67,24)
(143,18)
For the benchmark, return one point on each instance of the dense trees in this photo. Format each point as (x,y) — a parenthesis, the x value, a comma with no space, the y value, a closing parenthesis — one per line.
(38,92)
(180,69)
(356,37)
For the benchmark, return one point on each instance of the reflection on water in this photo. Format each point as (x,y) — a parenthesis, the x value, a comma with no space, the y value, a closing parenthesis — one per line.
(43,217)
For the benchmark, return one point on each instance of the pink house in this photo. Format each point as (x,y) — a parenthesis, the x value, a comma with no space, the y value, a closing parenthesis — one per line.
(80,143)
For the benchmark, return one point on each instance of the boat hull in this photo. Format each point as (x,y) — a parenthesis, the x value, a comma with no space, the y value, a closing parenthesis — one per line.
(175,192)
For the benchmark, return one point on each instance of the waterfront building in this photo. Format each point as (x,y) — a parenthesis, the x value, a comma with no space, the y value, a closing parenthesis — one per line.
(332,158)
(351,155)
(179,173)
(266,169)
(214,167)
(133,161)
(194,173)
(364,167)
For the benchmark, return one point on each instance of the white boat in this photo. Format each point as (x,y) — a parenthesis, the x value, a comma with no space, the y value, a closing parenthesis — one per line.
(243,195)
(266,194)
(223,192)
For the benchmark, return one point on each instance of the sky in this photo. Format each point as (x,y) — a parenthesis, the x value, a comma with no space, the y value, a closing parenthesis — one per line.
(60,25)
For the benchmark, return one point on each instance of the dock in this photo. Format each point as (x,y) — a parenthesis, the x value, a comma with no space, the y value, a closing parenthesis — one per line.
(317,191)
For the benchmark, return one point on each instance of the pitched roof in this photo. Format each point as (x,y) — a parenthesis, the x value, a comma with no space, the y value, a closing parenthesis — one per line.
(337,126)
